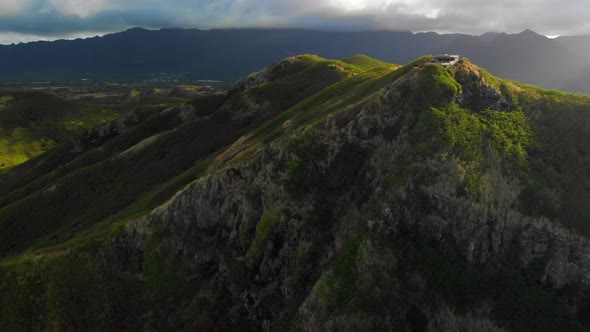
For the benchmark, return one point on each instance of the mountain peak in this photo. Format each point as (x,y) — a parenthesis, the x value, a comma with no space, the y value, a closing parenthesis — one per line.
(136,29)
(490,36)
(530,34)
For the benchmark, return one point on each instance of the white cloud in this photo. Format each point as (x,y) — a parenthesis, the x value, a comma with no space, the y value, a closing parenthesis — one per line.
(15,38)
(350,5)
(13,7)
(7,38)
(52,18)
(81,8)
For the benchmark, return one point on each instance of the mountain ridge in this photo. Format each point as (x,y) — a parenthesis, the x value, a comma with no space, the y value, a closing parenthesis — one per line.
(413,197)
(228,54)
(146,30)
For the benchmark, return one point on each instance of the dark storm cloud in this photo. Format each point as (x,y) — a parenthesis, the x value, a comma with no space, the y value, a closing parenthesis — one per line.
(57,18)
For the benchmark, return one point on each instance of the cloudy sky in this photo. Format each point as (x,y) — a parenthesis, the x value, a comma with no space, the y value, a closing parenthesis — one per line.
(26,20)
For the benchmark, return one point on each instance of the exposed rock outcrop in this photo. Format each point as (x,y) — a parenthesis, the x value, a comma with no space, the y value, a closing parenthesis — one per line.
(478,93)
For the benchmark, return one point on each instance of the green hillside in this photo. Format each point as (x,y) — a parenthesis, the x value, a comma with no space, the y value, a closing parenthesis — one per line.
(338,195)
(32,123)
(169,152)
(366,62)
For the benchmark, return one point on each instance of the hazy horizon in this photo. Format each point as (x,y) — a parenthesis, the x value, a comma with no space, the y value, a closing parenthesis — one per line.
(32,20)
(12,39)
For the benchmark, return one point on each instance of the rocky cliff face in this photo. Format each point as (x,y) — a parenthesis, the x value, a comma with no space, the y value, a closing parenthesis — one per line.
(341,228)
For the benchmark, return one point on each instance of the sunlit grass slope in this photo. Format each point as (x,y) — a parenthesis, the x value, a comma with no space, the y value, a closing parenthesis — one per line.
(365,62)
(32,123)
(134,172)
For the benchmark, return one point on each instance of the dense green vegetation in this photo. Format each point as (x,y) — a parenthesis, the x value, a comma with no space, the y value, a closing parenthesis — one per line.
(67,215)
(557,187)
(341,288)
(519,301)
(470,135)
(521,138)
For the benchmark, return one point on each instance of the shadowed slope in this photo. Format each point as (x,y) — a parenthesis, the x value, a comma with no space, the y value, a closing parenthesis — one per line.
(32,123)
(130,166)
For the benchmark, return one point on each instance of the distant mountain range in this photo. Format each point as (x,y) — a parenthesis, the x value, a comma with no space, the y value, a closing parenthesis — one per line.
(561,63)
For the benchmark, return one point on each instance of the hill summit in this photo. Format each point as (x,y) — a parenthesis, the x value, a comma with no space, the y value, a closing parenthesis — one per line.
(314,194)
